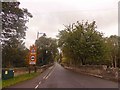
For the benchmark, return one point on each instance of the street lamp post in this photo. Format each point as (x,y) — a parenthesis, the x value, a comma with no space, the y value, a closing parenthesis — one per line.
(40,33)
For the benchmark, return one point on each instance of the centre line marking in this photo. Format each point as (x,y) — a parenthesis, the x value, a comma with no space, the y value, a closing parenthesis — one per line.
(36,87)
(46,76)
(40,82)
(49,74)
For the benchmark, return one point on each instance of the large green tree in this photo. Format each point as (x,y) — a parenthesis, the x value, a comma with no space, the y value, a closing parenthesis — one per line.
(112,44)
(46,50)
(14,19)
(82,44)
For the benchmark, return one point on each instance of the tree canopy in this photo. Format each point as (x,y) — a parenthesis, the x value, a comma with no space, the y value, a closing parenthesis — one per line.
(46,50)
(82,44)
(13,32)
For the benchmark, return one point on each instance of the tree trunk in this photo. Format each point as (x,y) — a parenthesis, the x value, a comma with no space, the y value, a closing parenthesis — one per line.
(83,63)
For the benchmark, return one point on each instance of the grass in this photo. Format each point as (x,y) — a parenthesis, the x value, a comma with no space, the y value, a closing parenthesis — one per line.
(0,84)
(17,79)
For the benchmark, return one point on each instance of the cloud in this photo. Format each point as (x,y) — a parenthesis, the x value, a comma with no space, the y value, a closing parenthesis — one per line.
(50,15)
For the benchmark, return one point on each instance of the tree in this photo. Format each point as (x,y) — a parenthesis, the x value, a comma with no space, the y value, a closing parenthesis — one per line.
(13,30)
(118,59)
(112,43)
(82,43)
(46,50)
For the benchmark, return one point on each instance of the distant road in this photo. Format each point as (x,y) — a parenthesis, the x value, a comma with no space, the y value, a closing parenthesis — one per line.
(58,77)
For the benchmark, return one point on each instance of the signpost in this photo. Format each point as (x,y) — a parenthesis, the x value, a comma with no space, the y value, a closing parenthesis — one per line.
(32,57)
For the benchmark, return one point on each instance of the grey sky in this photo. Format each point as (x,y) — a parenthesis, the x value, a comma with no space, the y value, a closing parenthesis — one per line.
(50,15)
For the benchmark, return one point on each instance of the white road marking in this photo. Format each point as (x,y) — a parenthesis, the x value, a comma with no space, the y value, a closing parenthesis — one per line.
(49,74)
(36,87)
(44,77)
(40,82)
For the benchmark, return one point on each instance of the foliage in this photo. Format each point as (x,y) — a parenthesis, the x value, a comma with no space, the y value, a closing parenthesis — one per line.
(13,33)
(82,44)
(46,50)
(18,79)
(112,44)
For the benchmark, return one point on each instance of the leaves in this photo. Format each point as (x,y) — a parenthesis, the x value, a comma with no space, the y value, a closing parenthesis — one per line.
(13,33)
(81,43)
(46,50)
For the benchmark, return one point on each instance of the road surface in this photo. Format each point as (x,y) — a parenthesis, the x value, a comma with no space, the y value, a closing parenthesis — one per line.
(58,77)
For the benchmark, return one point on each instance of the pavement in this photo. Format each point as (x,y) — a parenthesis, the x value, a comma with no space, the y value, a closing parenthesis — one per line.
(58,77)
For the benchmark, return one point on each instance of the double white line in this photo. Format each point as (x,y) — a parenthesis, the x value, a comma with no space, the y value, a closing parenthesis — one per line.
(49,74)
(37,85)
(45,77)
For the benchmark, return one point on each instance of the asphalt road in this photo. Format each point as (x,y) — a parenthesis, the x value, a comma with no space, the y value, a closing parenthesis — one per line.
(58,77)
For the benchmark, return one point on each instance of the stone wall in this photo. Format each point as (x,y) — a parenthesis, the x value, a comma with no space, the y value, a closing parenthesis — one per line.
(98,70)
(23,70)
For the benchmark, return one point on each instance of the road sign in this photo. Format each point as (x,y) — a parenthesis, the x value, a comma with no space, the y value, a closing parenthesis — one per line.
(32,55)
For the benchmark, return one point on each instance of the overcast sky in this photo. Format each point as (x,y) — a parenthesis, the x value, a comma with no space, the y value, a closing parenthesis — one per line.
(50,15)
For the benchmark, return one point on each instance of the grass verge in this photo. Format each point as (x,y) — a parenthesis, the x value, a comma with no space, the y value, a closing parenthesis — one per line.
(17,79)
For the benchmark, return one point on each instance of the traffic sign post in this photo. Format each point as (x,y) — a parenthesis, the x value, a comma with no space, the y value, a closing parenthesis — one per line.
(32,58)
(32,55)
